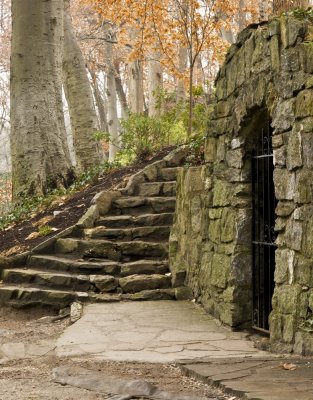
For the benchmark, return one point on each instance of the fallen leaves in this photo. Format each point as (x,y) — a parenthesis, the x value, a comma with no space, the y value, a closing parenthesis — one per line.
(13,250)
(43,221)
(288,366)
(33,235)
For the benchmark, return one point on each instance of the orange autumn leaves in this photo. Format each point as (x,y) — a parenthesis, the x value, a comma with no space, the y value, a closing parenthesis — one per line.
(148,27)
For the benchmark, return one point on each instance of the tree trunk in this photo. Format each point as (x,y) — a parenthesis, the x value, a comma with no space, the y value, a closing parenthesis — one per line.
(135,81)
(242,21)
(284,5)
(227,34)
(80,100)
(120,92)
(182,60)
(265,9)
(113,121)
(155,84)
(135,86)
(100,102)
(40,156)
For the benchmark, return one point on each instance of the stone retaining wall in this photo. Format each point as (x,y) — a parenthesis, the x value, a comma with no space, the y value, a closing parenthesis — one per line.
(268,73)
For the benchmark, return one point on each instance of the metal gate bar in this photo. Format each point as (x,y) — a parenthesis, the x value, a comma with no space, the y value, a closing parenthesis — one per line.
(263,236)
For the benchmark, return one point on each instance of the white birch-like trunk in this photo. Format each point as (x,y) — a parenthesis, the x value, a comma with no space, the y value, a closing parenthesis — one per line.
(100,102)
(120,92)
(40,156)
(112,116)
(113,121)
(79,97)
(155,84)
(227,35)
(135,86)
(135,81)
(182,61)
(242,20)
(284,5)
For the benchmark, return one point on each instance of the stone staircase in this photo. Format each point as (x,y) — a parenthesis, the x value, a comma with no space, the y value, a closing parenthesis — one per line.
(117,251)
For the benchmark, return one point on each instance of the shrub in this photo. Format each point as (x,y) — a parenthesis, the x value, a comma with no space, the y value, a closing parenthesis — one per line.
(142,135)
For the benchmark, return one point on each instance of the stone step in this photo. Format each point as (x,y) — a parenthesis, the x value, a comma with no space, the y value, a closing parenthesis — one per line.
(155,294)
(23,296)
(137,283)
(137,205)
(117,251)
(169,174)
(78,266)
(84,283)
(147,232)
(125,221)
(96,267)
(145,267)
(52,279)
(151,189)
(179,293)
(123,257)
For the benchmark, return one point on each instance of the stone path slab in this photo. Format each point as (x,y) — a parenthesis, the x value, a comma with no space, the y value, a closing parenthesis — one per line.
(179,332)
(256,379)
(118,389)
(164,331)
(19,350)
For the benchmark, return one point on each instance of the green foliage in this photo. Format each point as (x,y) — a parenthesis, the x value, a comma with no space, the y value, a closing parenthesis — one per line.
(163,98)
(196,154)
(149,134)
(45,230)
(142,136)
(300,13)
(198,91)
(101,135)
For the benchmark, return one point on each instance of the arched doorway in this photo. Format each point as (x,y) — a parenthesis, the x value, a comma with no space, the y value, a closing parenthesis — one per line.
(263,224)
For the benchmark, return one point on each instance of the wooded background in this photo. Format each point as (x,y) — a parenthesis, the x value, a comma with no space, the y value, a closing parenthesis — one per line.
(86,76)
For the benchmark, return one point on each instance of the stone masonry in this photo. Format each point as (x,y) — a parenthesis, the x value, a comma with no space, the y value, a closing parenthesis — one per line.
(268,73)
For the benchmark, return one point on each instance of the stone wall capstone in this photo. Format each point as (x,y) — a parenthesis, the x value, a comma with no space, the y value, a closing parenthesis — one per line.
(268,74)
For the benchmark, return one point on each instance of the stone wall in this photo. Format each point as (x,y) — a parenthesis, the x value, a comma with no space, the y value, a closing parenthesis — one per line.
(268,73)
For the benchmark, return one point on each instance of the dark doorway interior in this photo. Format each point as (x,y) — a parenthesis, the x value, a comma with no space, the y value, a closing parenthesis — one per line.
(263,234)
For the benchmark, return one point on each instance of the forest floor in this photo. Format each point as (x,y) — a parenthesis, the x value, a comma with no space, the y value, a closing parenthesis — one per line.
(64,211)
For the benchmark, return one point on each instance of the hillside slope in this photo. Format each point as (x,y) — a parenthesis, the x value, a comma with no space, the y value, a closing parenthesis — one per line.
(64,211)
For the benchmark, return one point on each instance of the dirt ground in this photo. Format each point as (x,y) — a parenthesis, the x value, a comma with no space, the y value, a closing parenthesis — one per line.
(31,379)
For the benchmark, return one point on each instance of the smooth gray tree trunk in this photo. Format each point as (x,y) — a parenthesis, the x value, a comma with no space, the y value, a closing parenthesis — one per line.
(135,86)
(79,97)
(100,102)
(40,155)
(155,84)
(183,61)
(284,5)
(113,121)
(120,92)
(135,81)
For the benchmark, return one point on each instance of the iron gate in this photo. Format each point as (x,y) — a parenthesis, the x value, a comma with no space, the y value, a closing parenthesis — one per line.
(263,236)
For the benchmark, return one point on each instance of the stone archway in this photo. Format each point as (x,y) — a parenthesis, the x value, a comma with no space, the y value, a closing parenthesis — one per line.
(269,68)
